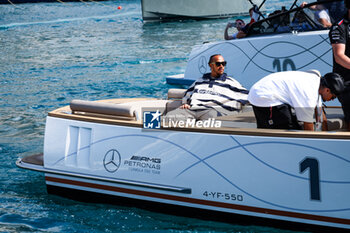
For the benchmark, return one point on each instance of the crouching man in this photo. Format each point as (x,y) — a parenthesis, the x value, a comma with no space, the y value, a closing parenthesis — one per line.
(282,100)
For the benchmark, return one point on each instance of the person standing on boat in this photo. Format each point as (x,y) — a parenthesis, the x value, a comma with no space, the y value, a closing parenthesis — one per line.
(215,94)
(339,35)
(281,100)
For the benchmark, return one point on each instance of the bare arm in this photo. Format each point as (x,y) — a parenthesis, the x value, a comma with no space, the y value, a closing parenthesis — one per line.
(226,35)
(324,122)
(309,126)
(241,34)
(325,23)
(303,4)
(339,55)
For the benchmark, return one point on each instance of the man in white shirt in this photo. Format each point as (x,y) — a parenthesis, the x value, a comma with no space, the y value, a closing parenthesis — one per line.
(323,18)
(277,96)
(321,14)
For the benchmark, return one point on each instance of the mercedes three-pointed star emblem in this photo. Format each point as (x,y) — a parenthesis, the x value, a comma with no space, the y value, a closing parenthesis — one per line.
(111,161)
(202,65)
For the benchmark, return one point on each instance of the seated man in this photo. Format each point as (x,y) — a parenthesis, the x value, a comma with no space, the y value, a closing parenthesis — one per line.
(215,94)
(276,95)
(239,24)
(254,14)
(321,14)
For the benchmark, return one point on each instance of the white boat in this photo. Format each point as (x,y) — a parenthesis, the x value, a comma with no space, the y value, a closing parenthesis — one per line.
(278,43)
(105,148)
(157,10)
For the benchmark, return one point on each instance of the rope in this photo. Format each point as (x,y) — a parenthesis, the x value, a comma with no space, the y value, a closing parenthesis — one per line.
(61,2)
(84,2)
(13,4)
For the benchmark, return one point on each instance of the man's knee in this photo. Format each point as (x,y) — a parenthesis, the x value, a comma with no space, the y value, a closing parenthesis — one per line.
(206,114)
(179,114)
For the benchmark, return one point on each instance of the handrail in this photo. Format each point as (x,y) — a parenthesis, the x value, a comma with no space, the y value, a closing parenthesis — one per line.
(285,15)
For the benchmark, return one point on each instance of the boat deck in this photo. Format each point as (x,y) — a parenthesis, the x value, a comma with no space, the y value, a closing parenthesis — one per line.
(246,119)
(128,112)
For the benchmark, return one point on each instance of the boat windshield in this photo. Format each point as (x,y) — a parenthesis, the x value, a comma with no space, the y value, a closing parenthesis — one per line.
(310,17)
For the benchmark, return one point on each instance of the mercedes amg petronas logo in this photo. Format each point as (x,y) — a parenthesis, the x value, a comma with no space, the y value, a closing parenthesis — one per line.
(111,161)
(202,65)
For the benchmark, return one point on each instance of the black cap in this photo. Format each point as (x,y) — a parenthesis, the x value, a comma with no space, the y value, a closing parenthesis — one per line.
(334,82)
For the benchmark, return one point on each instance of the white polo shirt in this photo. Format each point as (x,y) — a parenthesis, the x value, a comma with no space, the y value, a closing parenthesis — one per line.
(299,89)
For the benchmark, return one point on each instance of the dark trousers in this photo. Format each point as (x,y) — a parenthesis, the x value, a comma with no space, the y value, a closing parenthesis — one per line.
(344,99)
(277,117)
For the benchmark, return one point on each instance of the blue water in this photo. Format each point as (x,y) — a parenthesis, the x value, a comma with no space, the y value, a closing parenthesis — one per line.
(51,53)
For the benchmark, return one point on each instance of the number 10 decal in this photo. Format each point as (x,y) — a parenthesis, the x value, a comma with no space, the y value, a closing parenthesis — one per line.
(313,166)
(287,62)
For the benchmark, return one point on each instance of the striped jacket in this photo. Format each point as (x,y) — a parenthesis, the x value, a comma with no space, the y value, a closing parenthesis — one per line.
(223,94)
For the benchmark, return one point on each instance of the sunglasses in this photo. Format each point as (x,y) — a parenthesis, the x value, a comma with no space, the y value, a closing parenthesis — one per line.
(238,23)
(220,63)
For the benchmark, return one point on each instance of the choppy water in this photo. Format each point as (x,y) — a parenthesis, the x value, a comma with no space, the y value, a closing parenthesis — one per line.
(51,53)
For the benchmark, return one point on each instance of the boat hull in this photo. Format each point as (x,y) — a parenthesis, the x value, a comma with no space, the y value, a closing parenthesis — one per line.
(35,1)
(157,10)
(249,59)
(300,179)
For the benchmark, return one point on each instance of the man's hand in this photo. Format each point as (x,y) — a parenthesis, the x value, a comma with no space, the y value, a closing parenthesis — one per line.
(303,4)
(230,25)
(185,106)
